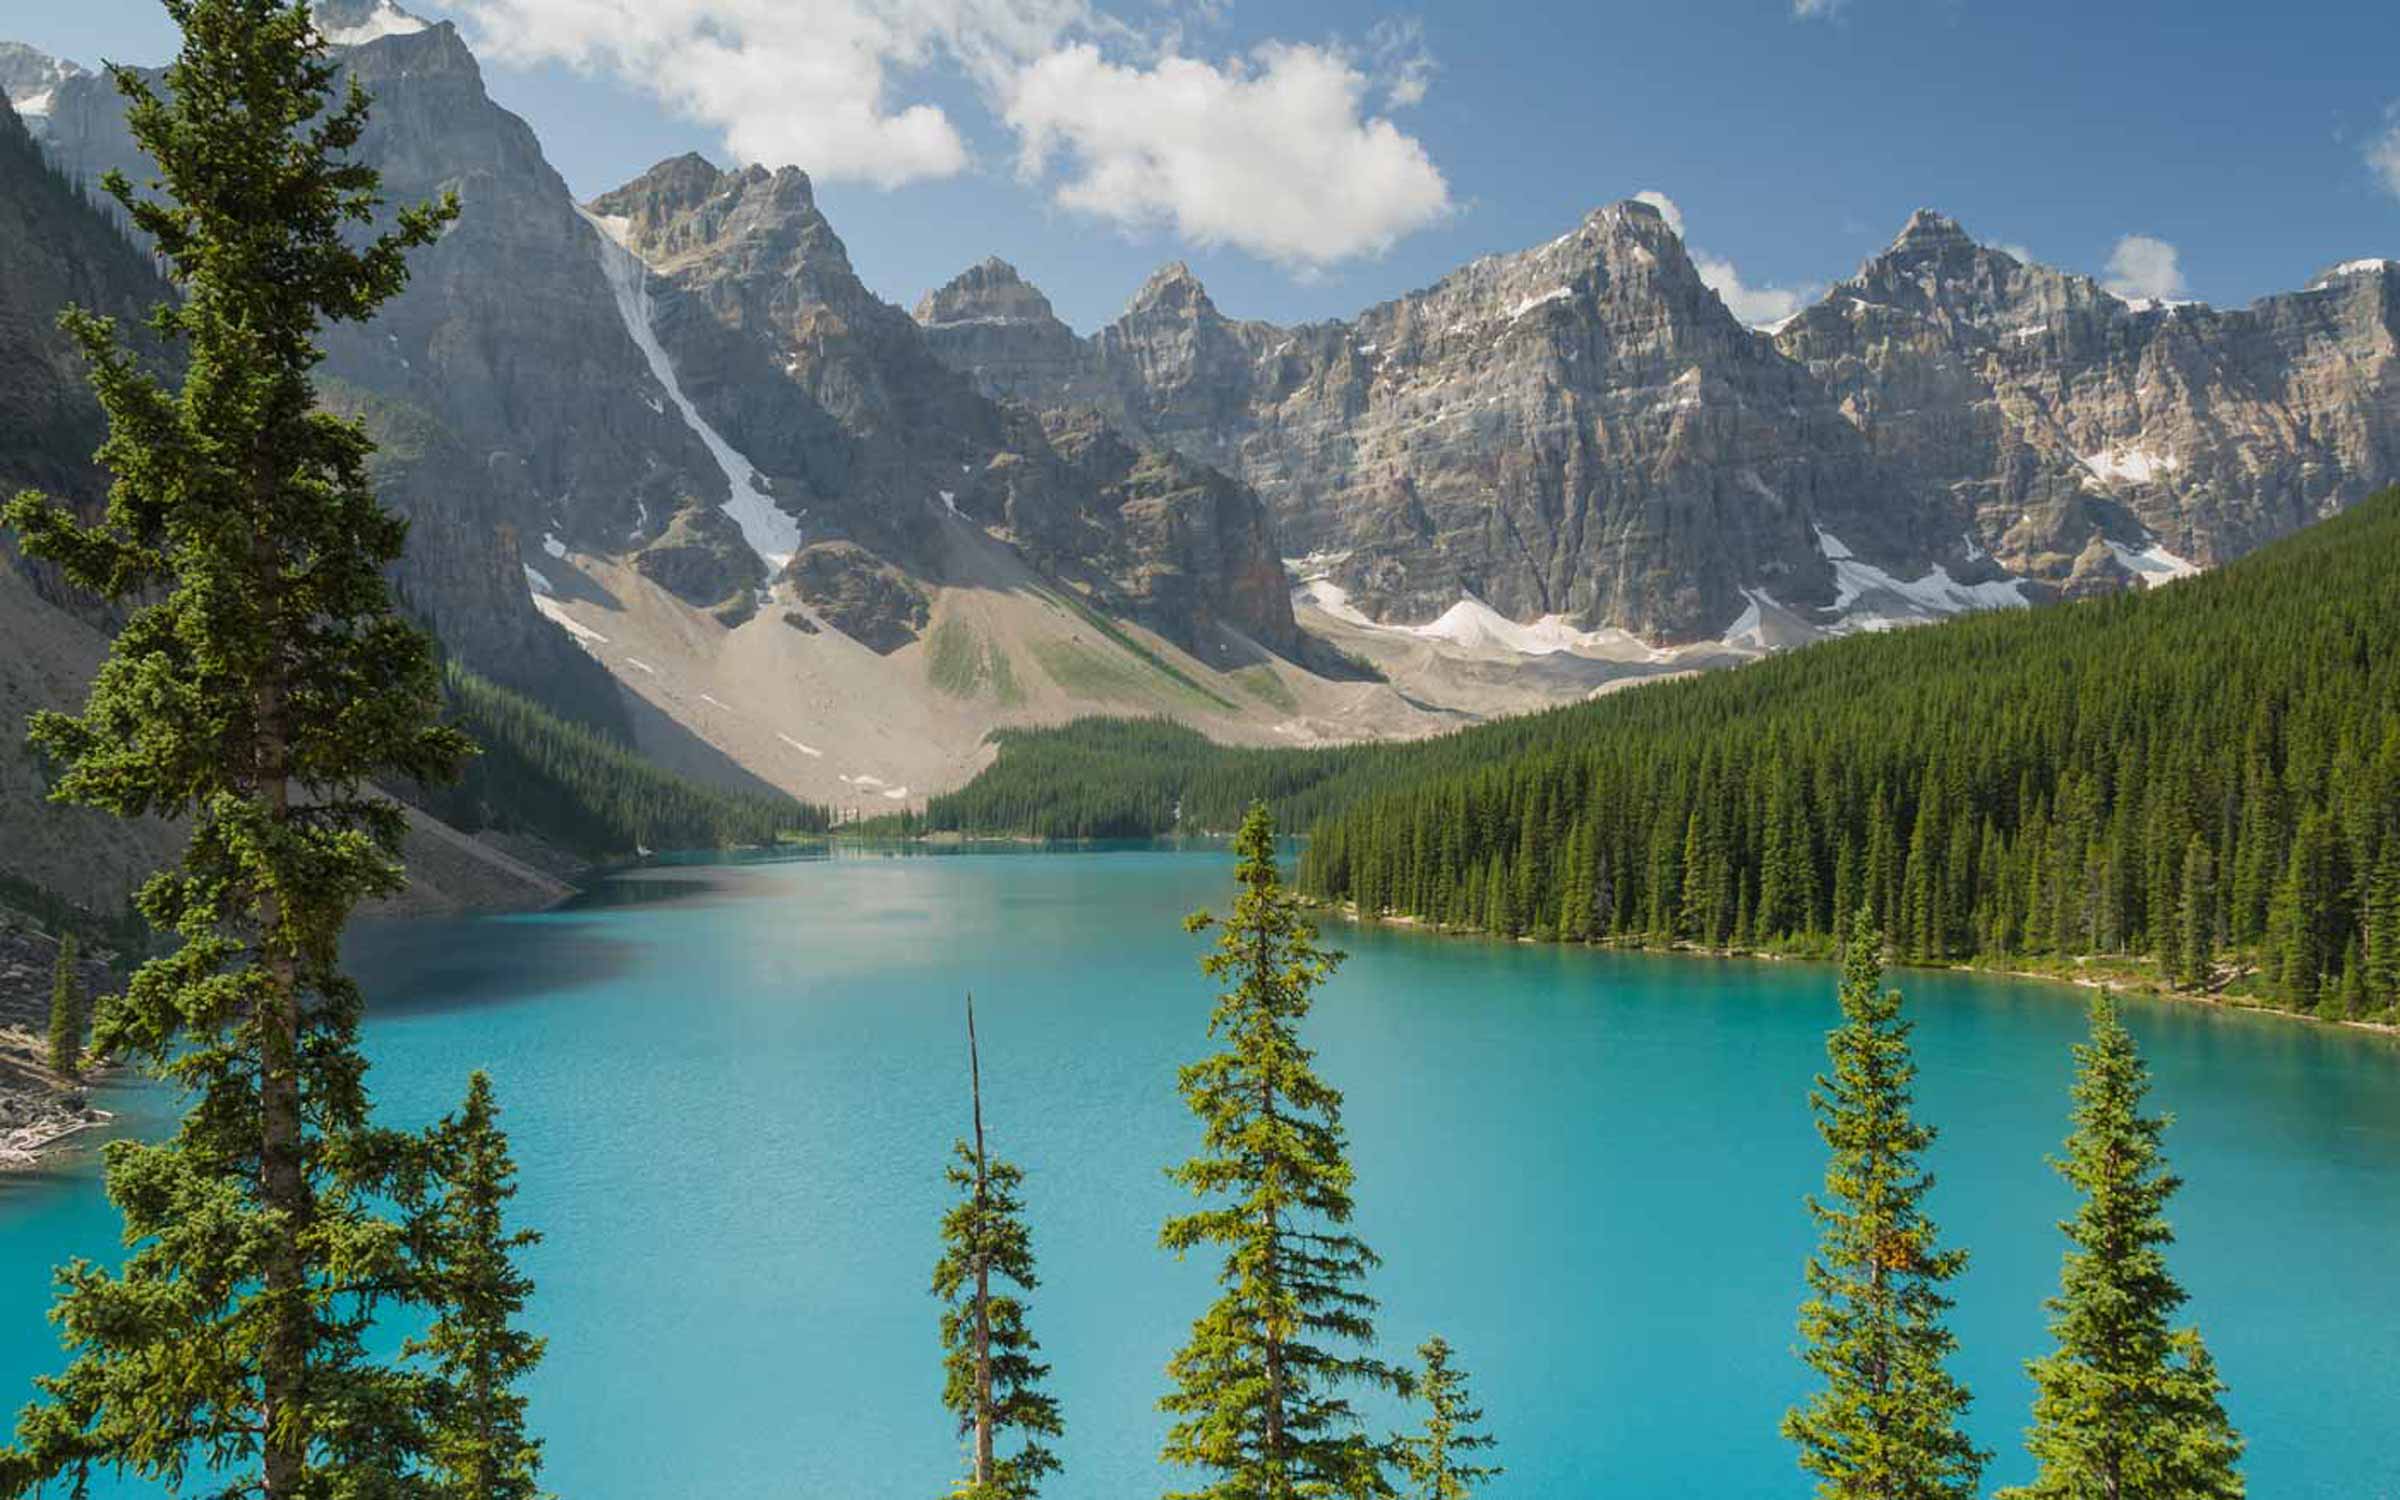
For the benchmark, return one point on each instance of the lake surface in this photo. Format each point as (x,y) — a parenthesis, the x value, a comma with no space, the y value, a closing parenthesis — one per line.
(731,1090)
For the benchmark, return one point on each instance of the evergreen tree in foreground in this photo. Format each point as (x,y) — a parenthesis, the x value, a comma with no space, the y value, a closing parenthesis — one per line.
(479,1448)
(1258,1390)
(1885,1426)
(66,1012)
(2127,1408)
(1437,1460)
(991,1379)
(260,683)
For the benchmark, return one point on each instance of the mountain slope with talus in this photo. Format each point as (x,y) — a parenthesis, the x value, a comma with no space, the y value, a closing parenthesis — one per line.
(680,404)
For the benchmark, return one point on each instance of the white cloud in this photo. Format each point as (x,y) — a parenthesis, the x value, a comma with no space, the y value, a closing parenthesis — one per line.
(2019,253)
(2383,152)
(1278,153)
(1754,305)
(1273,155)
(1404,69)
(800,81)
(1817,10)
(2144,268)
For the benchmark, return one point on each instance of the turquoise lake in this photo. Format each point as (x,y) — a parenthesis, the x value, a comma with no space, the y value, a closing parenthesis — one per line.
(731,1089)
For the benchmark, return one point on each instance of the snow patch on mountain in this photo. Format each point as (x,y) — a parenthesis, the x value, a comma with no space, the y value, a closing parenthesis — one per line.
(1858,581)
(773,535)
(2134,465)
(2153,565)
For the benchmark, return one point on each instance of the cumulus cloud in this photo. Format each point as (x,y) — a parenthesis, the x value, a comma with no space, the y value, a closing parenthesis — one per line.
(1272,154)
(809,82)
(2145,268)
(1286,153)
(2383,152)
(1757,306)
(1817,10)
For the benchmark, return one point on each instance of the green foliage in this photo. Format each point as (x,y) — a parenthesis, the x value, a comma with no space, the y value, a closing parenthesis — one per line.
(1437,1462)
(2206,775)
(991,1379)
(2127,1406)
(66,1011)
(478,1448)
(260,684)
(1885,1424)
(1258,1398)
(558,780)
(1124,642)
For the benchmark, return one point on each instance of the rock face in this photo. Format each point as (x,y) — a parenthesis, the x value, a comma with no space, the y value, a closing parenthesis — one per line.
(875,447)
(1582,430)
(2063,418)
(499,384)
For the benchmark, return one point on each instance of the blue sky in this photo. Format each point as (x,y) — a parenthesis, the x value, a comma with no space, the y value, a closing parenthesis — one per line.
(1309,157)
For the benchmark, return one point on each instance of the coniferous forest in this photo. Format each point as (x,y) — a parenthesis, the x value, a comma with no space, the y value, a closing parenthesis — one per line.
(2204,777)
(543,774)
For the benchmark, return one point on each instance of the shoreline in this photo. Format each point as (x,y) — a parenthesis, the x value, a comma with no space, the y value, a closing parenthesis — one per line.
(2126,984)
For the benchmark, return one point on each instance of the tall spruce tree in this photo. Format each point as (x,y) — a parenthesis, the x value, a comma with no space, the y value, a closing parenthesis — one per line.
(260,682)
(1439,1461)
(1885,1425)
(2127,1407)
(1259,1399)
(991,1380)
(479,1449)
(66,1011)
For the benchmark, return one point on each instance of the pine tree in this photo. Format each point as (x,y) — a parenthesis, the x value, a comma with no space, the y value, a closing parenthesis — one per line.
(992,1382)
(2382,922)
(259,685)
(66,1011)
(479,1449)
(2127,1408)
(1258,1399)
(1886,1423)
(2196,923)
(1436,1461)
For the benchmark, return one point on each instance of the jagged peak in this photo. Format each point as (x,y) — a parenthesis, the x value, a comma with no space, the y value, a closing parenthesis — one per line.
(1172,287)
(1928,230)
(354,23)
(2335,275)
(991,290)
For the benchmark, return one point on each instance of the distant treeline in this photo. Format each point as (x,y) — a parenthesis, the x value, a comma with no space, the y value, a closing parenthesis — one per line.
(2207,775)
(560,781)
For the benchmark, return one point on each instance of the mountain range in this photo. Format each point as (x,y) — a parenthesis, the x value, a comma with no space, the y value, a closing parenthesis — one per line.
(673,470)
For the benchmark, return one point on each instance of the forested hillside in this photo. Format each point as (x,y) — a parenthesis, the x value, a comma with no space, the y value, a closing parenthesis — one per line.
(540,774)
(2207,774)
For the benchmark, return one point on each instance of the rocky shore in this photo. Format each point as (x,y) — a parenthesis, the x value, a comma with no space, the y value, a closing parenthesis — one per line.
(38,1109)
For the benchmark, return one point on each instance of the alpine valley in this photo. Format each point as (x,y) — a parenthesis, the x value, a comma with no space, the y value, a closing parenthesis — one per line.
(680,482)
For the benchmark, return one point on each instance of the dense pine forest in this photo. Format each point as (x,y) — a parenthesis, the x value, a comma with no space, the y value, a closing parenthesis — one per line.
(558,780)
(2205,776)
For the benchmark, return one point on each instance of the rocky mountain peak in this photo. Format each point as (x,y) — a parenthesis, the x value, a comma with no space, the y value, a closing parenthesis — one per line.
(354,23)
(2370,270)
(1928,230)
(990,291)
(1173,289)
(29,78)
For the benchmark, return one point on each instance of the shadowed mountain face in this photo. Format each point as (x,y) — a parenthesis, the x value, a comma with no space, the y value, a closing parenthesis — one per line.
(1582,429)
(871,442)
(519,412)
